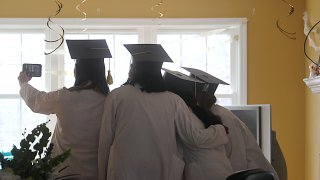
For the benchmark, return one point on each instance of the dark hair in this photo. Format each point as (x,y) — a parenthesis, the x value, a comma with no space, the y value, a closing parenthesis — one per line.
(90,74)
(199,104)
(201,108)
(206,99)
(147,75)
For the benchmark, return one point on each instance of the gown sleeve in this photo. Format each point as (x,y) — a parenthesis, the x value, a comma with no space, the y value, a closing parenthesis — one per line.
(194,135)
(255,156)
(107,131)
(39,101)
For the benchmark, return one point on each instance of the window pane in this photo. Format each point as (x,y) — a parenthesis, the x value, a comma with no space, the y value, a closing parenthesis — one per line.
(8,75)
(18,49)
(219,59)
(10,62)
(122,59)
(210,53)
(33,48)
(14,118)
(29,119)
(193,51)
(10,119)
(171,43)
(224,101)
(10,45)
(14,115)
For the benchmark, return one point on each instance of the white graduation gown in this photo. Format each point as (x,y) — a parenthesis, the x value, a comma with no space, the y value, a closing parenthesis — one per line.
(208,163)
(242,149)
(78,123)
(138,135)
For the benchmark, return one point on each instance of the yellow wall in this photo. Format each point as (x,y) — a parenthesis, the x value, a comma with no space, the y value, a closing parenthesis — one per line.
(312,106)
(276,64)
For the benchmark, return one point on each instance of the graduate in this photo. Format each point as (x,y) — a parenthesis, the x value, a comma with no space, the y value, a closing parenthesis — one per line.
(201,164)
(141,122)
(78,109)
(242,148)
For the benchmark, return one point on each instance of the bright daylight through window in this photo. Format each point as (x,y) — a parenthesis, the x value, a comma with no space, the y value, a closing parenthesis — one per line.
(217,46)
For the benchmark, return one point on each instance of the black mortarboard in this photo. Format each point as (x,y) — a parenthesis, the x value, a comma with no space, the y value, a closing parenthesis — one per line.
(148,53)
(179,82)
(212,81)
(88,49)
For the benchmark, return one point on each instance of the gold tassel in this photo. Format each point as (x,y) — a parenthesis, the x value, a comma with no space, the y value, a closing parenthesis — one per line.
(109,78)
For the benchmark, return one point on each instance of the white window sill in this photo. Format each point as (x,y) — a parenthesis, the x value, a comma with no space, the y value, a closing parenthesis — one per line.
(313,84)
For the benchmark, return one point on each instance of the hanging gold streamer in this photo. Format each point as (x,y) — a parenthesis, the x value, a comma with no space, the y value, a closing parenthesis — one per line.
(157,6)
(59,4)
(82,12)
(290,35)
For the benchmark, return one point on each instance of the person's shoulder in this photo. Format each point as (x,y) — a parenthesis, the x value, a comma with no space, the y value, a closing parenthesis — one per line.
(173,96)
(123,88)
(63,92)
(228,116)
(123,91)
(177,102)
(220,109)
(66,90)
(63,89)
(224,113)
(77,92)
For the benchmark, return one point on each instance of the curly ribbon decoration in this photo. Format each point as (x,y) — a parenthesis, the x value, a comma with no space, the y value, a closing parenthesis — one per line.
(82,12)
(156,6)
(59,4)
(305,42)
(286,33)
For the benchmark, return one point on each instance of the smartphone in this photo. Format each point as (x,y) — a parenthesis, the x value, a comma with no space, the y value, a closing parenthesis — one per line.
(32,70)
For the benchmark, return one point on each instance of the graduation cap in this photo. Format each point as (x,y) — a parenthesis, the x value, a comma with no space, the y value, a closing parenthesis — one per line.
(180,77)
(181,84)
(212,82)
(88,49)
(148,53)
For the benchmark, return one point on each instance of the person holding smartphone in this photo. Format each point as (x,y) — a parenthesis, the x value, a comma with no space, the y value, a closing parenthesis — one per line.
(78,109)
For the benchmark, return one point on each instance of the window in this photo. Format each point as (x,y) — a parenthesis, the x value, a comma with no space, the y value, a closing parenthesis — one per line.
(217,46)
(210,53)
(17,48)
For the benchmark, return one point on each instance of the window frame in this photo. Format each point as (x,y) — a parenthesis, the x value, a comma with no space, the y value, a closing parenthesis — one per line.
(147,29)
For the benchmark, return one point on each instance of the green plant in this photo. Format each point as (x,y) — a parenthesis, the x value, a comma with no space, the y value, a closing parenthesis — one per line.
(33,160)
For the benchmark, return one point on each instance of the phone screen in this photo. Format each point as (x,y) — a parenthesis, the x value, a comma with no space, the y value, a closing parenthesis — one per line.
(32,70)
